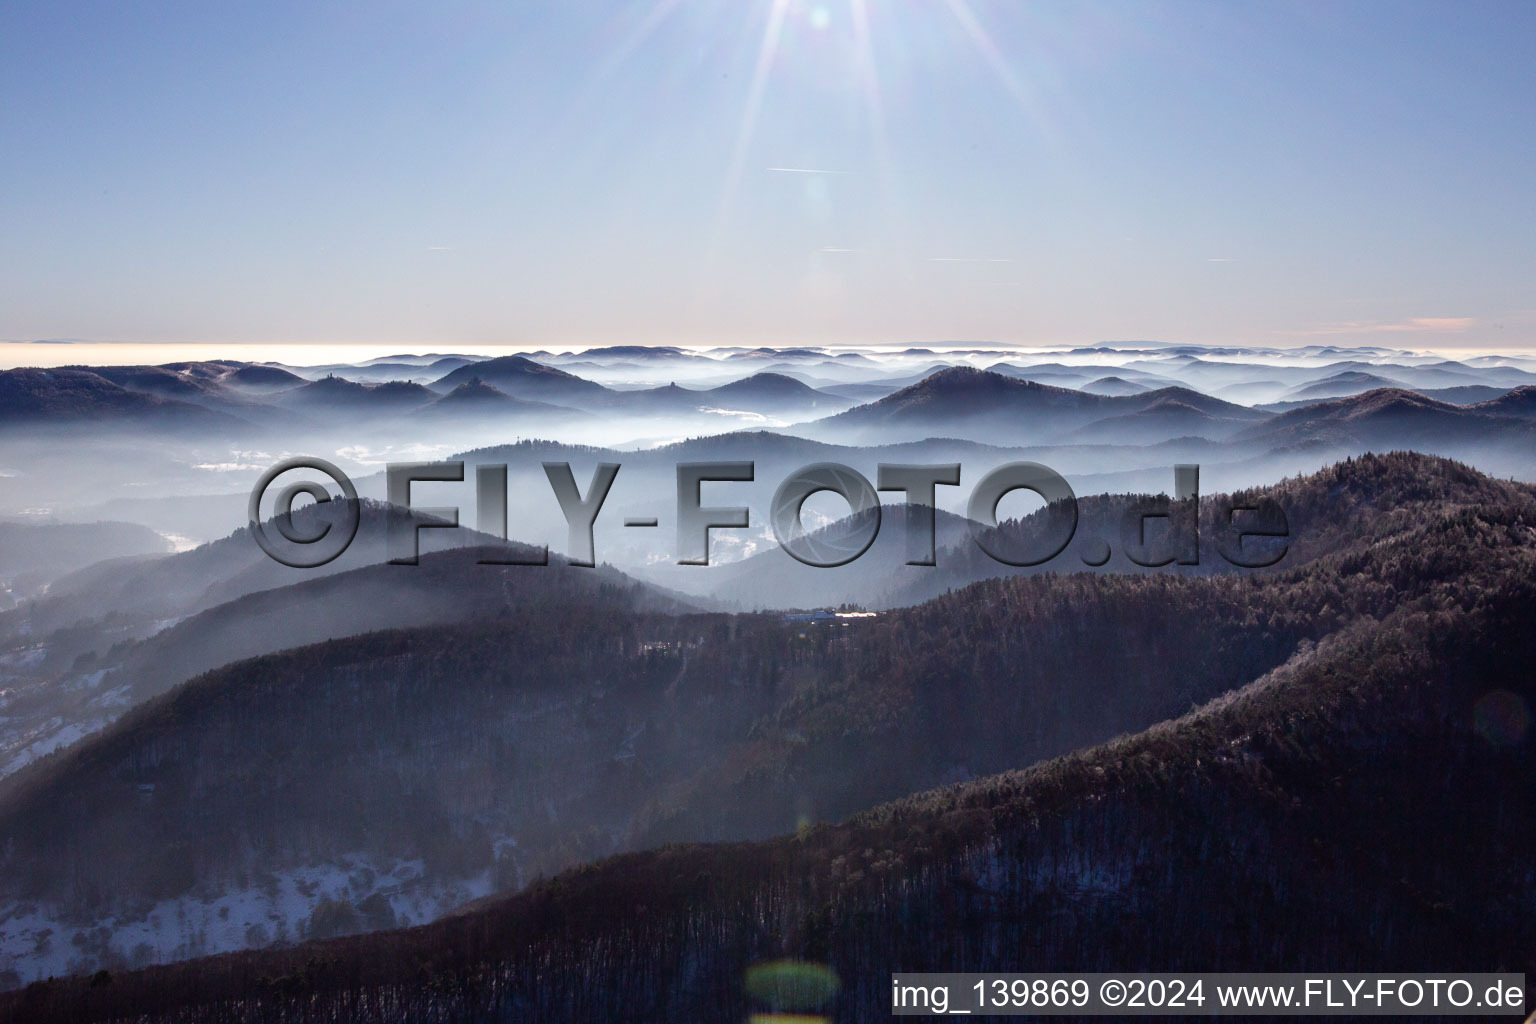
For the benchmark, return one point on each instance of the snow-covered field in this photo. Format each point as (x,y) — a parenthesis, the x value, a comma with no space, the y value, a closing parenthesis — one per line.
(350,894)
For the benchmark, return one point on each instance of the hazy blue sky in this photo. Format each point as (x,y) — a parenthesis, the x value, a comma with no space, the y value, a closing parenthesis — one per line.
(839,171)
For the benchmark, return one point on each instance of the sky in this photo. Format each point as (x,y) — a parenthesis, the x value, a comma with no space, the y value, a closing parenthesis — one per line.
(436,176)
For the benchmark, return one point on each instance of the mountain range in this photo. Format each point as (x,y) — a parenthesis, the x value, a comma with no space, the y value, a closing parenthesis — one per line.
(1246,734)
(370,784)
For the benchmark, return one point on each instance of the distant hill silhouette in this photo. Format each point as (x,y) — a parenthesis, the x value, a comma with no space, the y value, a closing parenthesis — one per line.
(1393,417)
(523,378)
(476,399)
(981,404)
(261,377)
(1340,385)
(71,397)
(1114,386)
(334,394)
(768,393)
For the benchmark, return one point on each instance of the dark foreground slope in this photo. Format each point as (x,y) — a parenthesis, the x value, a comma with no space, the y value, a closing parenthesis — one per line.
(547,733)
(496,740)
(1364,805)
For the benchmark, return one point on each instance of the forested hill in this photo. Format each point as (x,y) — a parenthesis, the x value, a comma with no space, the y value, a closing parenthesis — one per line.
(1344,505)
(1353,793)
(1347,505)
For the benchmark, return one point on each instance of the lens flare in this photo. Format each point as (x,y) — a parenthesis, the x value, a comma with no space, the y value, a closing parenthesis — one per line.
(795,987)
(1502,718)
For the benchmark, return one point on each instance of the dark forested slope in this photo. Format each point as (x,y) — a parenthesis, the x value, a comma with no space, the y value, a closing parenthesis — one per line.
(566,724)
(1363,806)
